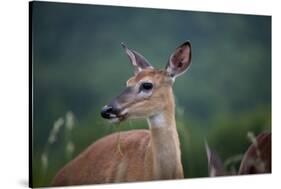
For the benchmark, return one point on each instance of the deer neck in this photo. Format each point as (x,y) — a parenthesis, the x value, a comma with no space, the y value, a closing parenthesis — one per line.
(165,148)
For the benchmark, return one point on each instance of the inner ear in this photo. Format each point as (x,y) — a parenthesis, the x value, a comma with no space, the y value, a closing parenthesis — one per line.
(137,60)
(181,57)
(179,60)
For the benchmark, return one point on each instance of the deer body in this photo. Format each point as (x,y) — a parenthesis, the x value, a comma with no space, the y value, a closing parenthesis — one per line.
(136,155)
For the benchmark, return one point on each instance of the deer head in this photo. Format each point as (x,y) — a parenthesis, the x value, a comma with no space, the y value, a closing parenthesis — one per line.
(149,91)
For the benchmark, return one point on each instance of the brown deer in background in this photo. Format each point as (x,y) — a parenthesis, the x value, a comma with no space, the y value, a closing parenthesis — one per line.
(256,160)
(152,154)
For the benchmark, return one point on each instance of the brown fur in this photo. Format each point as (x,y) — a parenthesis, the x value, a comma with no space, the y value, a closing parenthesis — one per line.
(152,154)
(257,158)
(145,154)
(102,162)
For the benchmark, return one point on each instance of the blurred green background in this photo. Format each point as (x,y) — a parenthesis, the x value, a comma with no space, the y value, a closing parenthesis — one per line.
(79,65)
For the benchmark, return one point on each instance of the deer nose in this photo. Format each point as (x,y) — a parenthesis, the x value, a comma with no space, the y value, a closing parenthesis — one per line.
(107,112)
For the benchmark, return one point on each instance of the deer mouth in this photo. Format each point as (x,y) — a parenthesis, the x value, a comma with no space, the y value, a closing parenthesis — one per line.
(117,119)
(113,115)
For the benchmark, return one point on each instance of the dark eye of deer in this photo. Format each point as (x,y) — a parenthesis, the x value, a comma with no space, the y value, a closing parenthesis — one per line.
(146,86)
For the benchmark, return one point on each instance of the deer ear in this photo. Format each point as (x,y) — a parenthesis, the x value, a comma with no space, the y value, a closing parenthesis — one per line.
(214,162)
(180,60)
(137,60)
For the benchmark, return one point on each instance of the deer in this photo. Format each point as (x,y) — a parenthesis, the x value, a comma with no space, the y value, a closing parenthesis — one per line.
(256,160)
(144,154)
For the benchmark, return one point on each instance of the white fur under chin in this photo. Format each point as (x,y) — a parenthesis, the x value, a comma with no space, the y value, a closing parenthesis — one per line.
(157,121)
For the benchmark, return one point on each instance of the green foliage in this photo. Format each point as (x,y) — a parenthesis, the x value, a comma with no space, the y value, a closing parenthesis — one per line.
(79,65)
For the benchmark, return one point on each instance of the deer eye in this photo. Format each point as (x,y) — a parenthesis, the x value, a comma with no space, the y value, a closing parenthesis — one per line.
(146,86)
